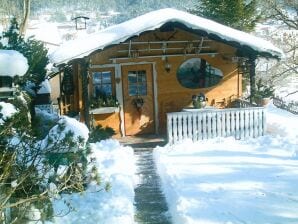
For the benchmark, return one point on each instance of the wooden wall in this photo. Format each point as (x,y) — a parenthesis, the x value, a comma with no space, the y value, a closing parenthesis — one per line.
(173,97)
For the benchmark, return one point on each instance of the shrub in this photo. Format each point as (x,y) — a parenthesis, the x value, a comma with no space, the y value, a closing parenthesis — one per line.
(99,133)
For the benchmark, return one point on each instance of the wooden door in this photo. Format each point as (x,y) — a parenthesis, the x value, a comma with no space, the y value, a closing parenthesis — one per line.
(138,99)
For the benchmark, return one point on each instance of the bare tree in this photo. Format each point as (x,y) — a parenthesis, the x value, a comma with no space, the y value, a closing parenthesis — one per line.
(283,15)
(26,14)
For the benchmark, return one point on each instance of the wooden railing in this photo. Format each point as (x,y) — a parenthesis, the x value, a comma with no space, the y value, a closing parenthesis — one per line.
(241,123)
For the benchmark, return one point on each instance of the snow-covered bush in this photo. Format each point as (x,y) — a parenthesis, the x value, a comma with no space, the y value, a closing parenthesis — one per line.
(34,171)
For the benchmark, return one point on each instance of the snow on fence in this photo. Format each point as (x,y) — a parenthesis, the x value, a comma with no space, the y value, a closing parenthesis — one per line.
(241,123)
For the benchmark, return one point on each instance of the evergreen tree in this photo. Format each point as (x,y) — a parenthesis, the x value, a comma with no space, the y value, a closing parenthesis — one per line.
(239,14)
(33,50)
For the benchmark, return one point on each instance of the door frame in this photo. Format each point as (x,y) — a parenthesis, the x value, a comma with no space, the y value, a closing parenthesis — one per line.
(119,90)
(155,91)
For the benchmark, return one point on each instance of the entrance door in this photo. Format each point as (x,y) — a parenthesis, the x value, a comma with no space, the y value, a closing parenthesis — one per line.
(138,99)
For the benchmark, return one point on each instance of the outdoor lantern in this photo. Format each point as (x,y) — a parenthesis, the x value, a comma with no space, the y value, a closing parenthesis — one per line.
(167,65)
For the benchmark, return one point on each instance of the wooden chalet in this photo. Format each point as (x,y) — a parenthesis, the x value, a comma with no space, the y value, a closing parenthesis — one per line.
(129,76)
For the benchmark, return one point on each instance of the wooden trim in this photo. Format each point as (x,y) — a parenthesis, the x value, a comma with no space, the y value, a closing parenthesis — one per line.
(252,77)
(85,95)
(103,66)
(165,55)
(155,97)
(119,95)
(164,42)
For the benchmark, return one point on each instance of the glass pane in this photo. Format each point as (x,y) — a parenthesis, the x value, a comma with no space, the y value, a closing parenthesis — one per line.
(106,77)
(132,77)
(132,91)
(197,73)
(142,76)
(97,90)
(143,90)
(96,77)
(107,89)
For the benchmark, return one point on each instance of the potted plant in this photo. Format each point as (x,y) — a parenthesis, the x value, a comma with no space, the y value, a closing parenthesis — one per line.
(103,101)
(199,101)
(263,93)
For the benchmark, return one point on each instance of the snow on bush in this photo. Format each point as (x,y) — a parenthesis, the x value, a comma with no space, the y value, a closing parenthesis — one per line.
(12,63)
(6,111)
(116,165)
(66,126)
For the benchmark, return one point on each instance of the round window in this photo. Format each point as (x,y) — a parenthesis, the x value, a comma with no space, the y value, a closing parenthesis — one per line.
(197,73)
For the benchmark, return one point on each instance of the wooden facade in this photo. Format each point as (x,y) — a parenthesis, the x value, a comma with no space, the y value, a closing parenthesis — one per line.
(151,52)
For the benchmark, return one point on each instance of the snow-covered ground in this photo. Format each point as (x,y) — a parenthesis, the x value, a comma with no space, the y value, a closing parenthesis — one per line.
(224,181)
(116,165)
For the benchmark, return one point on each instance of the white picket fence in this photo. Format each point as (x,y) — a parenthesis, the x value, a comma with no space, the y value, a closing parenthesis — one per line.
(241,123)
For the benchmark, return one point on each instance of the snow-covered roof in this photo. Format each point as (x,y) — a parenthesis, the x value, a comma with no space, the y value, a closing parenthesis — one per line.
(12,63)
(45,87)
(118,33)
(46,32)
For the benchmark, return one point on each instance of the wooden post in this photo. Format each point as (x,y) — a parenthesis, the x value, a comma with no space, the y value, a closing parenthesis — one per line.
(85,95)
(252,77)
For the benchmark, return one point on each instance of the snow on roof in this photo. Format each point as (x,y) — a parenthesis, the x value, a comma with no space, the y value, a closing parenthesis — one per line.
(7,110)
(12,63)
(118,33)
(45,87)
(46,32)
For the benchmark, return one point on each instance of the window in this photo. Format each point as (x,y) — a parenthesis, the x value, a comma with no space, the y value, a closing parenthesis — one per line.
(5,81)
(197,73)
(67,82)
(137,83)
(6,90)
(102,84)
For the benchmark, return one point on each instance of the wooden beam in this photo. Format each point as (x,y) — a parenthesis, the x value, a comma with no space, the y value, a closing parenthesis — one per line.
(252,77)
(162,42)
(166,55)
(85,97)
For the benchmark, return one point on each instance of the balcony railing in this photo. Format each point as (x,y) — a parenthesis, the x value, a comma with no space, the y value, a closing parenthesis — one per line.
(203,124)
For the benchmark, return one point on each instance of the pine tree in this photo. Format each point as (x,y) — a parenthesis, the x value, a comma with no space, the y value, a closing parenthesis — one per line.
(237,14)
(32,49)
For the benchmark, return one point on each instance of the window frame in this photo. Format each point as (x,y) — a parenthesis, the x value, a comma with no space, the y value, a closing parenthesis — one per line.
(205,79)
(112,81)
(140,82)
